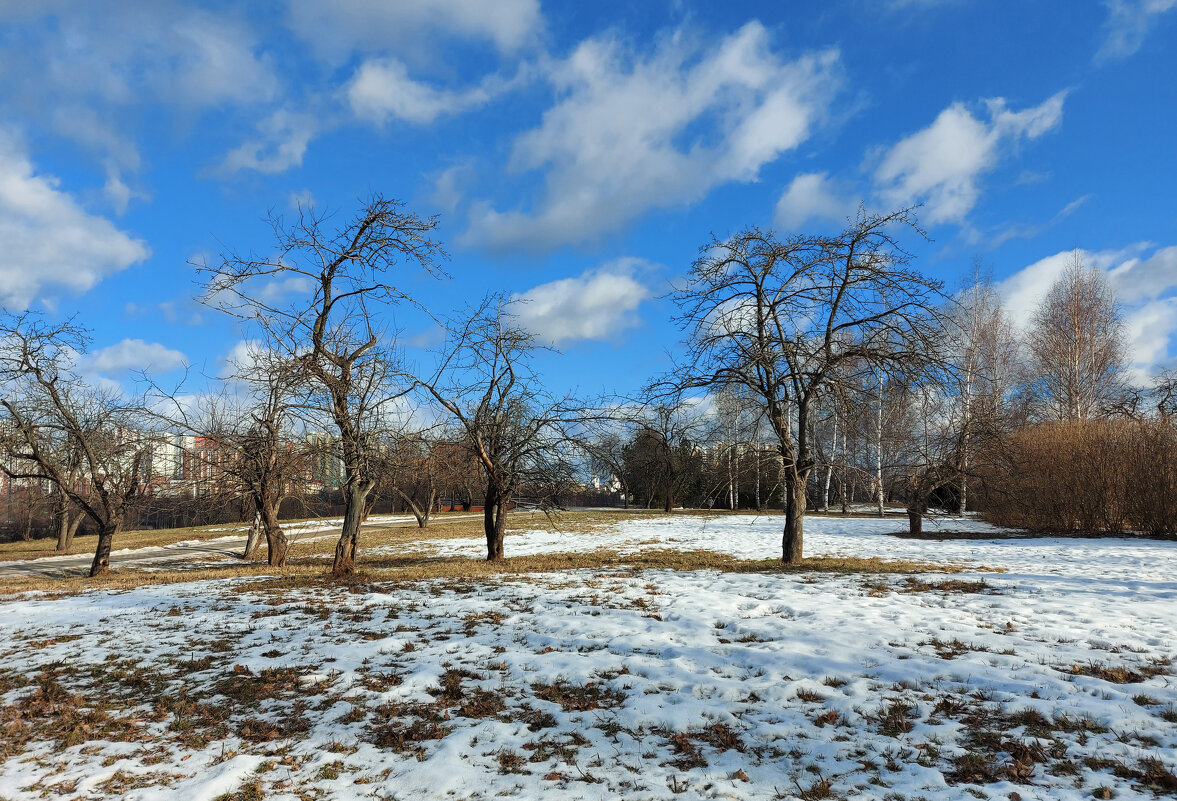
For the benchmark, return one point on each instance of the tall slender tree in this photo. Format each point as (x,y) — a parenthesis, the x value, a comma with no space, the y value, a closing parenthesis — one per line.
(1077,346)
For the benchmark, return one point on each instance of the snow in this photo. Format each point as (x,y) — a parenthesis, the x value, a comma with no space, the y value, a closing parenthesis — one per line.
(800,668)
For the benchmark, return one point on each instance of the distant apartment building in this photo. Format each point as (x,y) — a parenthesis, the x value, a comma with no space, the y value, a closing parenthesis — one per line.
(324,467)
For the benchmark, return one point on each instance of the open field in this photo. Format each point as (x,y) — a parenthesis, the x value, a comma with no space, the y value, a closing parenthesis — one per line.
(643,657)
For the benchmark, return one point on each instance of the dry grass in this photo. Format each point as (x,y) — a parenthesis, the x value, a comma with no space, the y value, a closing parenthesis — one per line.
(305,571)
(307,564)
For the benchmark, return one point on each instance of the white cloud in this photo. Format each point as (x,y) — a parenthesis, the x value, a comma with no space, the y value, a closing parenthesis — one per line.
(94,61)
(631,131)
(47,238)
(598,304)
(134,354)
(811,196)
(448,190)
(281,143)
(343,26)
(1141,279)
(243,357)
(1146,288)
(382,89)
(302,199)
(942,164)
(274,291)
(1128,23)
(1150,329)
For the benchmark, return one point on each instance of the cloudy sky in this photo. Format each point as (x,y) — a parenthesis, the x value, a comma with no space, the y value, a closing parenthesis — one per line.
(578,153)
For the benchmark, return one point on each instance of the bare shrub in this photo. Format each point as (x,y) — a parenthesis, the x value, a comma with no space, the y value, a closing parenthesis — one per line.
(1096,476)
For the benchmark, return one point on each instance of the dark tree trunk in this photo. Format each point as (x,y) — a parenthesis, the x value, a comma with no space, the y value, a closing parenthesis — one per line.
(917,507)
(669,499)
(345,549)
(493,523)
(426,510)
(793,538)
(369,505)
(915,522)
(277,545)
(101,563)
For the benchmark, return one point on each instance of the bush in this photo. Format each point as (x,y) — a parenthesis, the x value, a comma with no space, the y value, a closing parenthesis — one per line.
(1097,476)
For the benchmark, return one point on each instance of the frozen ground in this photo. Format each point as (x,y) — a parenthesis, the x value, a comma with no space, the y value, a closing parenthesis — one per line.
(1049,680)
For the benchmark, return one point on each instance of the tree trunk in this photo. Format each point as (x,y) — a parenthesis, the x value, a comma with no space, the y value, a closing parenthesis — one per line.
(369,505)
(915,521)
(879,496)
(101,563)
(759,505)
(253,539)
(917,507)
(65,527)
(825,498)
(669,500)
(493,523)
(71,531)
(420,513)
(842,494)
(731,483)
(277,543)
(792,541)
(423,516)
(345,550)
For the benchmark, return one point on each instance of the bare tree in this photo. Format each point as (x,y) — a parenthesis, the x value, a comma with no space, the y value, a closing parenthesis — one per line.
(86,441)
(664,449)
(1077,346)
(983,347)
(605,447)
(251,426)
(412,469)
(332,331)
(519,433)
(784,317)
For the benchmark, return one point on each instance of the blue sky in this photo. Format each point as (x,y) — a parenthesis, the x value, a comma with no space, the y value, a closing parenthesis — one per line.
(578,153)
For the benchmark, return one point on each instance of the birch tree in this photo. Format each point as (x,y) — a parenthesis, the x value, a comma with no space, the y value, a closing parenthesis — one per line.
(1077,346)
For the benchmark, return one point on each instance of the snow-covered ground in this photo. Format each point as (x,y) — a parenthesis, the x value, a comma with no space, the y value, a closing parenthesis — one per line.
(1047,680)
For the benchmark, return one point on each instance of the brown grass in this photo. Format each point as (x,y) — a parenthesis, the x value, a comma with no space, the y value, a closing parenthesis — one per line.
(412,567)
(408,559)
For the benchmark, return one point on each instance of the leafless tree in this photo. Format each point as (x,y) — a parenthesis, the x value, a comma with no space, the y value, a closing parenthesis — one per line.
(87,441)
(605,446)
(1077,346)
(251,426)
(664,450)
(332,331)
(519,432)
(412,468)
(982,345)
(784,317)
